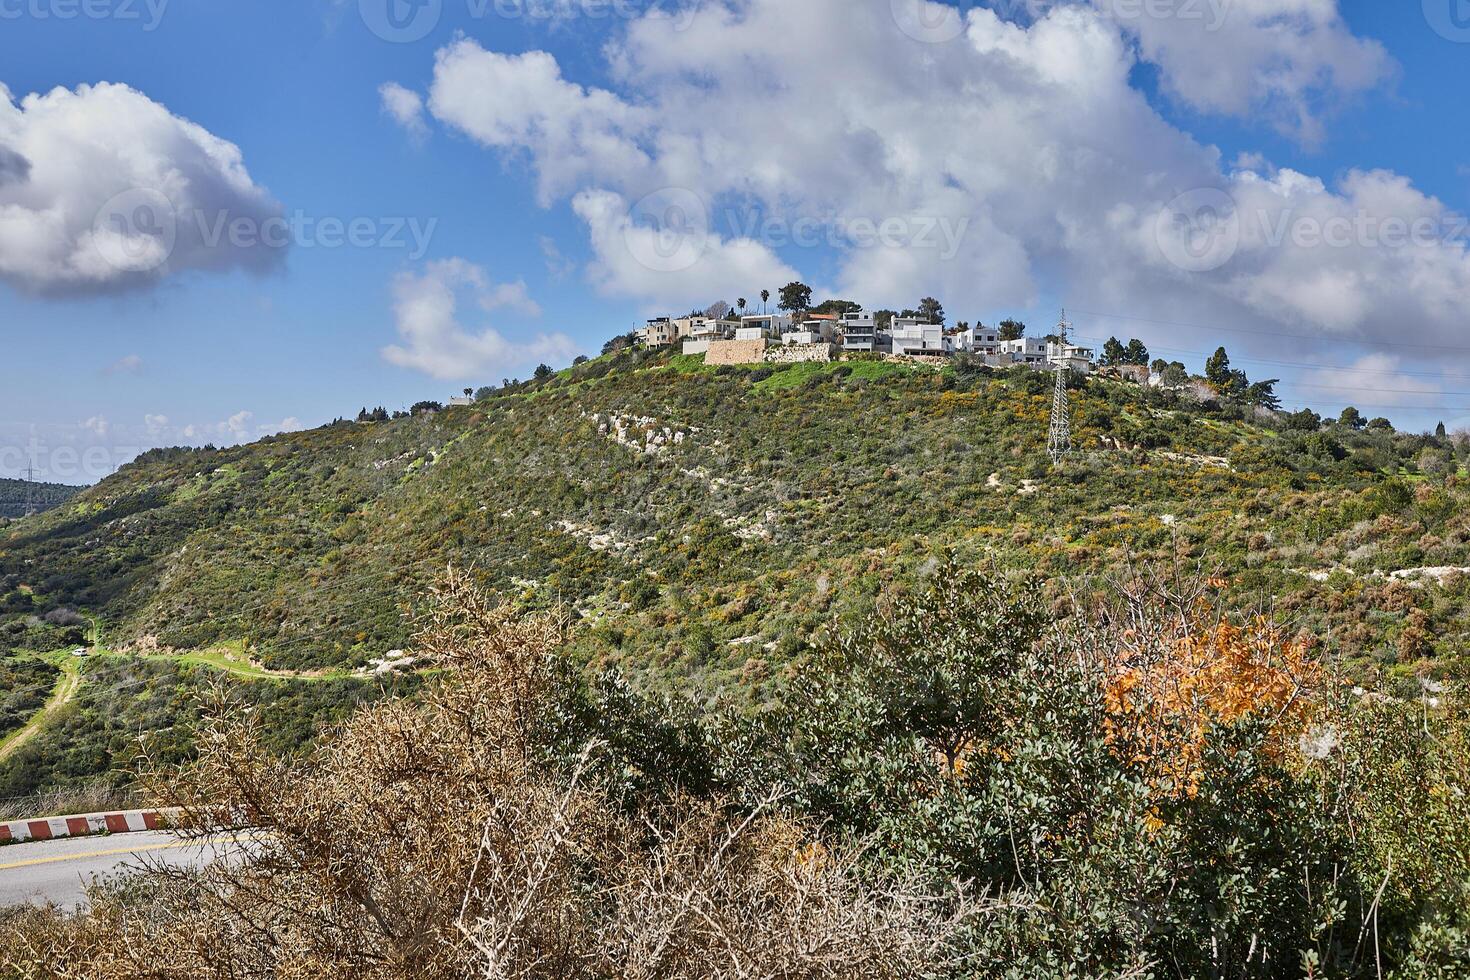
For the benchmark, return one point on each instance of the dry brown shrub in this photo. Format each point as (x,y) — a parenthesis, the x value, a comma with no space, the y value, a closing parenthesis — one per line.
(430,839)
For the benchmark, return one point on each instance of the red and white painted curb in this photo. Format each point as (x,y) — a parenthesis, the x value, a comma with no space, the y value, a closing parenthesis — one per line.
(85,825)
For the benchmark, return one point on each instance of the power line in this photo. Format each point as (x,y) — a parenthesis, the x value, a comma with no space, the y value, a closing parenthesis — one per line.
(1272,333)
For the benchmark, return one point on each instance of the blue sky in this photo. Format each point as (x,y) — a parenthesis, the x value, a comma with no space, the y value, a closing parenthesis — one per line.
(224,349)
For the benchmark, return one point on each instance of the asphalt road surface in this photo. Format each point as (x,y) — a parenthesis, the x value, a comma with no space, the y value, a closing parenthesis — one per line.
(58,871)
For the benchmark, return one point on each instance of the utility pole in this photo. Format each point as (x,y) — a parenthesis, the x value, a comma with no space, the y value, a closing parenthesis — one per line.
(30,491)
(1059,441)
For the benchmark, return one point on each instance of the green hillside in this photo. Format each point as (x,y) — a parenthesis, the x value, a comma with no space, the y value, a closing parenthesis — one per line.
(704,524)
(16,496)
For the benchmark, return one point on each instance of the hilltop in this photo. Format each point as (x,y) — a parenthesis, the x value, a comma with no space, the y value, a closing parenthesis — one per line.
(16,494)
(704,522)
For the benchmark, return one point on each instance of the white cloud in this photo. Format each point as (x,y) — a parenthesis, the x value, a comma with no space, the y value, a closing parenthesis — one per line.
(426,308)
(1029,136)
(97,425)
(127,364)
(1290,62)
(405,107)
(1375,379)
(104,190)
(634,260)
(155,425)
(512,101)
(238,424)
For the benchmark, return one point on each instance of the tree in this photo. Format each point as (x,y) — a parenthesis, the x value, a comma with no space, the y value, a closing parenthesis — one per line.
(620,343)
(544,372)
(930,309)
(1175,375)
(1304,421)
(1263,394)
(579,360)
(1351,418)
(884,318)
(1439,431)
(1113,353)
(838,307)
(796,298)
(1136,353)
(765,298)
(1379,424)
(740,305)
(1012,330)
(718,311)
(1158,366)
(469,392)
(1217,370)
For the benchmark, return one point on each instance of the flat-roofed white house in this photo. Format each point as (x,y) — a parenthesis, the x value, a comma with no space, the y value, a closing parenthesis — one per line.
(704,330)
(860,333)
(765,326)
(979,340)
(913,336)
(1024,350)
(1074,357)
(817,329)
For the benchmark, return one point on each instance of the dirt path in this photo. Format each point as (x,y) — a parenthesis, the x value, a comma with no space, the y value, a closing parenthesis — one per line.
(66,689)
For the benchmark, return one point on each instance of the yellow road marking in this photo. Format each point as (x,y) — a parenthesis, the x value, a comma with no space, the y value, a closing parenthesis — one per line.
(114,852)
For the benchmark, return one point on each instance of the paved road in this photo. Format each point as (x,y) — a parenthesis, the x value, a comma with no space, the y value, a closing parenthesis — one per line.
(59,870)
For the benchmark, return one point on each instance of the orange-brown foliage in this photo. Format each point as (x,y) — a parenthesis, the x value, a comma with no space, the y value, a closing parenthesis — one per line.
(1162,707)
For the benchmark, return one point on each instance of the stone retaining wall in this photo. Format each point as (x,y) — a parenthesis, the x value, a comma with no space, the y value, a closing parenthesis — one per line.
(803,354)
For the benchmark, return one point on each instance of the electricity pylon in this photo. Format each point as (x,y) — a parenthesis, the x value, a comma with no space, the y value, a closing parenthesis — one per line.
(30,491)
(1059,442)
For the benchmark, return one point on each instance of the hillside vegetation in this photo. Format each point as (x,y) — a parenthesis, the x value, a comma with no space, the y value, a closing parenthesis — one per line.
(16,494)
(706,523)
(960,786)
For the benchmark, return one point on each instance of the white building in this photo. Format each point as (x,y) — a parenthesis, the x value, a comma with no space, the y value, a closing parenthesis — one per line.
(817,330)
(1023,350)
(704,330)
(978,340)
(914,336)
(860,333)
(768,326)
(1077,359)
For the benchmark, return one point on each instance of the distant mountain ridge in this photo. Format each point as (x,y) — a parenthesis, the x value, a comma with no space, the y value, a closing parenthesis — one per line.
(15,495)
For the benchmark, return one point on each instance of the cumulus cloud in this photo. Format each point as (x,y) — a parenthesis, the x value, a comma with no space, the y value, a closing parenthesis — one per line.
(1028,139)
(104,190)
(427,310)
(1375,379)
(674,266)
(522,101)
(405,107)
(97,425)
(1289,61)
(127,364)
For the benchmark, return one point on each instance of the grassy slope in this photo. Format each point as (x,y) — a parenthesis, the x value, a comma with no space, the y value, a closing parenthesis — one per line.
(778,501)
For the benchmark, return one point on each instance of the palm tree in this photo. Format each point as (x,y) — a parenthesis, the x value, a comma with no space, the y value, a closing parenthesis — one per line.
(765,298)
(740,304)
